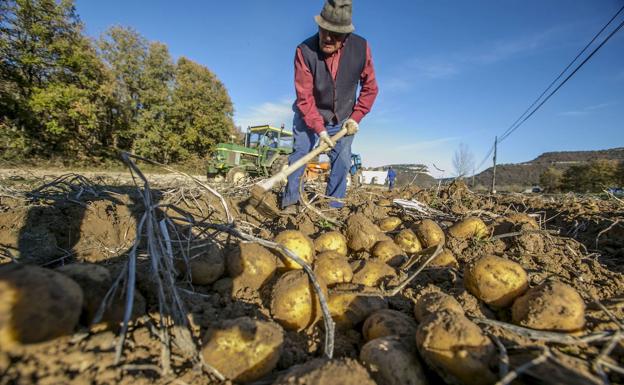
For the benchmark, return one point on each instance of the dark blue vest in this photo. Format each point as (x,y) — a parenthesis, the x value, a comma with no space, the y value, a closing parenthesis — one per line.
(335,99)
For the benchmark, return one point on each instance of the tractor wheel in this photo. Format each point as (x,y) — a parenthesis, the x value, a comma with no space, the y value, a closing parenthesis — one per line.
(278,165)
(235,175)
(214,176)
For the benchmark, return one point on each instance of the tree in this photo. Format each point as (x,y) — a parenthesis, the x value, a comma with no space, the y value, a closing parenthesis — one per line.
(63,96)
(51,97)
(604,174)
(594,176)
(550,180)
(463,161)
(124,50)
(153,134)
(201,112)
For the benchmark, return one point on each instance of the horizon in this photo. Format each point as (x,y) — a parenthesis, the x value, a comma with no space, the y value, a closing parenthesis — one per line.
(448,73)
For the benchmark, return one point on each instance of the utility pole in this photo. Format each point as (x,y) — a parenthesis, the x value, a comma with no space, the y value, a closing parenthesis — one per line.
(493,190)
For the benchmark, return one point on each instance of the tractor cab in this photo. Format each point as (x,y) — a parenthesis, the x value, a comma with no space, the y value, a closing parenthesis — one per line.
(258,136)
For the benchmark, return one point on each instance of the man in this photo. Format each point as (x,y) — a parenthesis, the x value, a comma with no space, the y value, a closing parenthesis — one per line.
(329,66)
(391,177)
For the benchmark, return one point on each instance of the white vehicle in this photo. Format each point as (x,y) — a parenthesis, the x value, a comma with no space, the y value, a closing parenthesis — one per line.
(374,177)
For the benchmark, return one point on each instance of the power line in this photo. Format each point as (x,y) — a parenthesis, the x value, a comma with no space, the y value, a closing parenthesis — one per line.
(485,158)
(511,128)
(524,117)
(564,81)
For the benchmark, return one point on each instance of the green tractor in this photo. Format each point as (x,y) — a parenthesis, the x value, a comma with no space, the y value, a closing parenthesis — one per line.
(264,153)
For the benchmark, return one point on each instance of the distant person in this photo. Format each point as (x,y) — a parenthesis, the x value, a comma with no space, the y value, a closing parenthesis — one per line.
(273,143)
(391,177)
(329,67)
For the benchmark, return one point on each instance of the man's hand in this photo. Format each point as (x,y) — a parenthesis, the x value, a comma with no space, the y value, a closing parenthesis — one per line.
(351,125)
(324,136)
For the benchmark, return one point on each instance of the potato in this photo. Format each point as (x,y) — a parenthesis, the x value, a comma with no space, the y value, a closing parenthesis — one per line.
(372,272)
(323,371)
(299,244)
(389,224)
(381,236)
(408,241)
(333,268)
(36,305)
(243,349)
(388,252)
(456,348)
(390,362)
(495,280)
(294,303)
(524,220)
(331,241)
(348,310)
(387,322)
(225,287)
(434,302)
(550,306)
(362,234)
(250,265)
(429,233)
(444,259)
(206,266)
(471,227)
(514,222)
(385,202)
(95,281)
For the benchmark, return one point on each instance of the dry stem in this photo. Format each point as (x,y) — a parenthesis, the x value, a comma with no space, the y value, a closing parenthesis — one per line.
(523,368)
(559,338)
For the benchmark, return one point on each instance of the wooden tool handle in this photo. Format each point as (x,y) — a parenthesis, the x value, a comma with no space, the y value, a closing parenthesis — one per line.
(268,184)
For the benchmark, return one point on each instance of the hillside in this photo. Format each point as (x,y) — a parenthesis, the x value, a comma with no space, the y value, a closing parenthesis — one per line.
(527,173)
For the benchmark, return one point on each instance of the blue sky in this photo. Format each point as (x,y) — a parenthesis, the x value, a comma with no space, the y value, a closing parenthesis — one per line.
(448,71)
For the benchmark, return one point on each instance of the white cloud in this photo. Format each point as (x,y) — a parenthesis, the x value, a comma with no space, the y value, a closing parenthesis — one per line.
(426,144)
(433,69)
(439,67)
(396,83)
(377,150)
(273,113)
(500,50)
(587,110)
(411,71)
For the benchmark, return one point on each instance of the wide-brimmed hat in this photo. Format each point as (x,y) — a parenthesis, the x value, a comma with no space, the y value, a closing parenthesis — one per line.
(336,16)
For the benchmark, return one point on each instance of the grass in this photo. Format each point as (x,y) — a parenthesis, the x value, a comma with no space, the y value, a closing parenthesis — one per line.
(193,167)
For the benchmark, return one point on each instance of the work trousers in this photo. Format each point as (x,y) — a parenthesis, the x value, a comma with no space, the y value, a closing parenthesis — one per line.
(340,160)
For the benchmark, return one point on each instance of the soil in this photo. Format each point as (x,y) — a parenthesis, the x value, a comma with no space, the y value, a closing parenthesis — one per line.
(52,222)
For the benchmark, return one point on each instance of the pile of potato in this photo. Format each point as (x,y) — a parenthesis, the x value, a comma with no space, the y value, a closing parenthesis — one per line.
(502,283)
(396,345)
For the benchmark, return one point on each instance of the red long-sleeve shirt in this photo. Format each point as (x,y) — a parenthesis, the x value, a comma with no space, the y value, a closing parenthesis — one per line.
(304,85)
